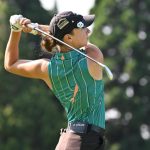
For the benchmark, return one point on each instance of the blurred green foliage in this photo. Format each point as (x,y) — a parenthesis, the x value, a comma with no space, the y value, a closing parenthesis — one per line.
(31,116)
(122,32)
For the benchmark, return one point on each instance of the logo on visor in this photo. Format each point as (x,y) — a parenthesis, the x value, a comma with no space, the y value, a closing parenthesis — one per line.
(62,23)
(80,24)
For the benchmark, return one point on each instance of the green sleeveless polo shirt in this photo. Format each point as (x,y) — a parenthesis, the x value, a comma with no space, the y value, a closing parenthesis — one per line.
(81,96)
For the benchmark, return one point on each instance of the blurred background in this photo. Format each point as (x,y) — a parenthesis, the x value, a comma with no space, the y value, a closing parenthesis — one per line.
(31,116)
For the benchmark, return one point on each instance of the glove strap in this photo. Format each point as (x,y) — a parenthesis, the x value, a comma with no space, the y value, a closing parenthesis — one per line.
(15,29)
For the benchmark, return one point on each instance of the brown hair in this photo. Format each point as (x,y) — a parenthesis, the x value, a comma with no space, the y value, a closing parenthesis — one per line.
(48,43)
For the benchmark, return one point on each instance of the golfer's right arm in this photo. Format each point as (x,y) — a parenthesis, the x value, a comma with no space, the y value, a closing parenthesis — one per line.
(26,68)
(12,50)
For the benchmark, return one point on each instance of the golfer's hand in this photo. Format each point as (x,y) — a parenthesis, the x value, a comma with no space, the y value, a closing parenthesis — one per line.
(19,23)
(15,23)
(24,24)
(28,26)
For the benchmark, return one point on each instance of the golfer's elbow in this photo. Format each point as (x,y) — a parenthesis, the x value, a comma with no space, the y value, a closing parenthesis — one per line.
(7,67)
(10,60)
(6,64)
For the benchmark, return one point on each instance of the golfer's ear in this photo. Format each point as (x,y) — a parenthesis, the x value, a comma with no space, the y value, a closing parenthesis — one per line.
(68,38)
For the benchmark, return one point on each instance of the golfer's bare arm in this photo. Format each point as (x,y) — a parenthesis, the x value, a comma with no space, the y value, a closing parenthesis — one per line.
(37,69)
(95,70)
(44,28)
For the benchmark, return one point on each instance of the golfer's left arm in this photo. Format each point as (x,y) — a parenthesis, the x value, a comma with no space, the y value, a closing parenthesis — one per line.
(44,28)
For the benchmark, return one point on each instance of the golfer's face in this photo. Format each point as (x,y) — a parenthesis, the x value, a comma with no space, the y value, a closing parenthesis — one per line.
(80,37)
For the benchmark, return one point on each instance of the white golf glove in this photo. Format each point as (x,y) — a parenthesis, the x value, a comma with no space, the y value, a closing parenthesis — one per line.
(16,27)
(14,23)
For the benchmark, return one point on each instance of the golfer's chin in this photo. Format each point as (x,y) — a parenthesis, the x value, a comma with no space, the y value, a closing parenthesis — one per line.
(85,44)
(82,44)
(84,47)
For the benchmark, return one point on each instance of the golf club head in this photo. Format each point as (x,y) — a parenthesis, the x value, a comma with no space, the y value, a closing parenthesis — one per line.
(109,73)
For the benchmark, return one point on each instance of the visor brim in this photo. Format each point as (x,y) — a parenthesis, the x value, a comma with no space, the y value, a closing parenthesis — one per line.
(89,19)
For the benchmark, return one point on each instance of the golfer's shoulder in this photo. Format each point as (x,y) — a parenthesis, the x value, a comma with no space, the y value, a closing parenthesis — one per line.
(94,52)
(42,64)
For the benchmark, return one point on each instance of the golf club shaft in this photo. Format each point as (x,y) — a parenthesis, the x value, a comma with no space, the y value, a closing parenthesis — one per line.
(109,73)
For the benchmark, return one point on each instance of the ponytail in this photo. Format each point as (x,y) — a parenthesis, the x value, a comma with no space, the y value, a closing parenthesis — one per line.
(48,44)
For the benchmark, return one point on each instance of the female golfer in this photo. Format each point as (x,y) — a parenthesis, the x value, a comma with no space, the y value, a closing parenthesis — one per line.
(74,79)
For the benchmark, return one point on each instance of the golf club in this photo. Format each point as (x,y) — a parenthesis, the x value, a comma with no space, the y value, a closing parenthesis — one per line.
(109,73)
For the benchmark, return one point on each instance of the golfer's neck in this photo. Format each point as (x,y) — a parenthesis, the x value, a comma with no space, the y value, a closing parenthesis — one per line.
(64,49)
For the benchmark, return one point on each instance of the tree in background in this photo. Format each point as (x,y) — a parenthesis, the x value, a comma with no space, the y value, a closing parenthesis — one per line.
(30,116)
(122,32)
(29,113)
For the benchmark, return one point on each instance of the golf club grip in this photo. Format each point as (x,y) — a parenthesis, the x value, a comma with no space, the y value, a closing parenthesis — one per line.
(32,26)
